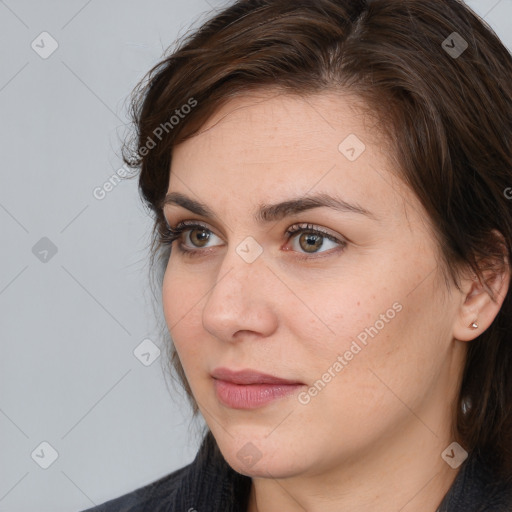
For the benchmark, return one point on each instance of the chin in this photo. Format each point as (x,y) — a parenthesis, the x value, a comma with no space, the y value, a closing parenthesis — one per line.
(255,454)
(279,466)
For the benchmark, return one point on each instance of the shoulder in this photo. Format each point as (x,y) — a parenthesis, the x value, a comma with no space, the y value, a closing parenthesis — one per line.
(206,484)
(155,496)
(478,488)
(495,489)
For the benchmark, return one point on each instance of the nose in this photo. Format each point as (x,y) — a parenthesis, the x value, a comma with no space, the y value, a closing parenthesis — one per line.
(240,304)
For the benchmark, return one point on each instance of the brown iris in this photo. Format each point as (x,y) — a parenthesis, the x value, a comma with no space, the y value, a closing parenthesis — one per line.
(310,241)
(198,236)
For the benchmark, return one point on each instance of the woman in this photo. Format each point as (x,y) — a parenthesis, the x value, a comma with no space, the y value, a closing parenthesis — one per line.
(330,182)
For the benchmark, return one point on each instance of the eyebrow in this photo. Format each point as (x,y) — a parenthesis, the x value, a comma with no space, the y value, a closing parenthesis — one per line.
(273,212)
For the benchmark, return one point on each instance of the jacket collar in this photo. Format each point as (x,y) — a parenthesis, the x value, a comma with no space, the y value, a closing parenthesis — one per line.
(209,483)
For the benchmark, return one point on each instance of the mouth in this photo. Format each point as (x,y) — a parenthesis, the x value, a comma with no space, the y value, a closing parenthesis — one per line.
(249,389)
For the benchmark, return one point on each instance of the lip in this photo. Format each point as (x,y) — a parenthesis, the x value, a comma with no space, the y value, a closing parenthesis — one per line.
(249,389)
(249,377)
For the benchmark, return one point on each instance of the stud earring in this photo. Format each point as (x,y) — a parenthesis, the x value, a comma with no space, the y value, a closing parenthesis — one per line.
(474,325)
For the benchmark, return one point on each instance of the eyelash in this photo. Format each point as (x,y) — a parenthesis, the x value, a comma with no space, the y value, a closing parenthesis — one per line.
(174,233)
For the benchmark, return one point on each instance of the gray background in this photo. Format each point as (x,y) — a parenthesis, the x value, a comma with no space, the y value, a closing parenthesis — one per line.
(70,321)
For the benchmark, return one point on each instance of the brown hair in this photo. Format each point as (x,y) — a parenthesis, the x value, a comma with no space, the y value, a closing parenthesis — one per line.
(448,114)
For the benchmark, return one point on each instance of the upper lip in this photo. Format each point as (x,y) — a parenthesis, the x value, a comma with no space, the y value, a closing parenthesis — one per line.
(249,377)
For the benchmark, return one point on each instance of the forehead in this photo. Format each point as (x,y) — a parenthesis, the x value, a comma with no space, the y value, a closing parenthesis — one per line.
(273,120)
(267,146)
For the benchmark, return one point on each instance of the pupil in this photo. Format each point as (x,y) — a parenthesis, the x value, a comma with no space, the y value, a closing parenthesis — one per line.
(312,242)
(200,236)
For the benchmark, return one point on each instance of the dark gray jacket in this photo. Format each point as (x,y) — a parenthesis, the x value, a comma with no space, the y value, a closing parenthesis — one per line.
(209,484)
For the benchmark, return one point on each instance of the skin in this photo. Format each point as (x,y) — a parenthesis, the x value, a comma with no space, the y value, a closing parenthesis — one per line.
(375,433)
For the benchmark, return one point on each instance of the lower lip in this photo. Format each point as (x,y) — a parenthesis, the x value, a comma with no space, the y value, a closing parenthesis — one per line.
(251,396)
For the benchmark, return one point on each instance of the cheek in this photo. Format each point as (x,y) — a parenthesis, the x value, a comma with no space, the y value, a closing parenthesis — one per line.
(381,327)
(171,289)
(181,301)
(388,344)
(343,314)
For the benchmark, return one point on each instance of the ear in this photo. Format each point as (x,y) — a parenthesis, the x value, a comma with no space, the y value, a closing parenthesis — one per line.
(477,304)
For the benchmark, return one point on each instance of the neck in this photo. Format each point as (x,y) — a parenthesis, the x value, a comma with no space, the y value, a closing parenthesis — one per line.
(405,472)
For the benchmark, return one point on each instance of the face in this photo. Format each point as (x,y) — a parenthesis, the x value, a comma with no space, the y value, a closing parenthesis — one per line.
(341,306)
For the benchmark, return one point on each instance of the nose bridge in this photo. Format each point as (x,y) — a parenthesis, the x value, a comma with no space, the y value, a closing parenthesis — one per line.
(237,278)
(239,300)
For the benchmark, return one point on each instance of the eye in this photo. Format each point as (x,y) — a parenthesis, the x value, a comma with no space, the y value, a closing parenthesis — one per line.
(310,239)
(306,239)
(197,235)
